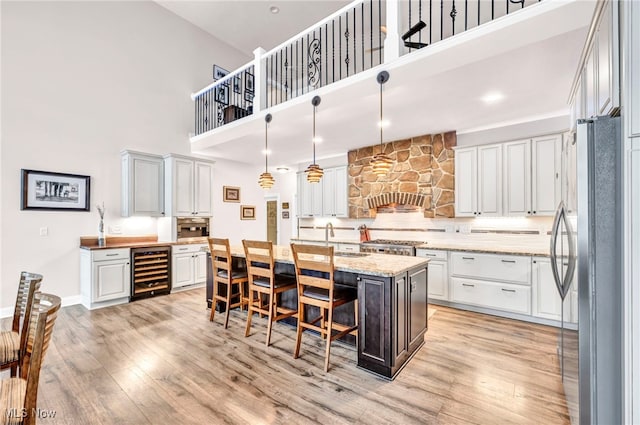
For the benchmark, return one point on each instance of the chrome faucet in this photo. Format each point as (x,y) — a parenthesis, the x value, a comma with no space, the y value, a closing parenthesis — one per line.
(328,227)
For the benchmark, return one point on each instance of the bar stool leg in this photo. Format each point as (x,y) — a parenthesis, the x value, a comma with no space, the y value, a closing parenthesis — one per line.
(249,312)
(272,301)
(296,352)
(214,301)
(229,290)
(328,349)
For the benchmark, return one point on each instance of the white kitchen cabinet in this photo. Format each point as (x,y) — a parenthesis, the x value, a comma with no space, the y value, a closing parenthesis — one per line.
(188,265)
(437,275)
(501,282)
(545,174)
(607,63)
(334,192)
(309,196)
(546,302)
(188,186)
(589,76)
(348,247)
(142,188)
(105,277)
(478,181)
(532,176)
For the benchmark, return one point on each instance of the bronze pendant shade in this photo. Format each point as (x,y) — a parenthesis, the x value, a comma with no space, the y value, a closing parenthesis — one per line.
(266,180)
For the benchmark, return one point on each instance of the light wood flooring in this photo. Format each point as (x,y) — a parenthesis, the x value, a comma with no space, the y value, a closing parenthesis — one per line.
(160,361)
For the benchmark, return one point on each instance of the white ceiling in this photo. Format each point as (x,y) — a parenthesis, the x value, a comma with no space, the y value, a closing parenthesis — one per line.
(249,24)
(531,58)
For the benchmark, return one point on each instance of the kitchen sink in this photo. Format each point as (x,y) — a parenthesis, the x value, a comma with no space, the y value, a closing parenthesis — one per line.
(350,254)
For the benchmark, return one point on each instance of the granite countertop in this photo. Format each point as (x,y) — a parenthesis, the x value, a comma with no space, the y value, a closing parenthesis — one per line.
(112,242)
(332,240)
(492,244)
(372,264)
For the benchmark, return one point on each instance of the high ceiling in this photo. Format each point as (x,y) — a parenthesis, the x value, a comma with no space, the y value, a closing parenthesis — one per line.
(531,59)
(249,24)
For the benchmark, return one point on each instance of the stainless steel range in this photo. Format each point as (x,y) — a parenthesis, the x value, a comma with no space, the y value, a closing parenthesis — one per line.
(386,246)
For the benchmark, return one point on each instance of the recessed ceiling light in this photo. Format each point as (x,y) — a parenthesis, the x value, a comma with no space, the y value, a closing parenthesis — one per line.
(492,97)
(282,169)
(274,9)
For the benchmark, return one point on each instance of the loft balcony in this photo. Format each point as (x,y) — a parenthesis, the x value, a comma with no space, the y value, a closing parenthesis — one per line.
(444,57)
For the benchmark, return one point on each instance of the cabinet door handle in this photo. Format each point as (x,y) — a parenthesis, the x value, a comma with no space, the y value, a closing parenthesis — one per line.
(430,255)
(468,284)
(508,290)
(468,258)
(182,249)
(509,261)
(111,255)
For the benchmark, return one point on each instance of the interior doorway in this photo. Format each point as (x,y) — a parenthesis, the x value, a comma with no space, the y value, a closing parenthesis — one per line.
(272,221)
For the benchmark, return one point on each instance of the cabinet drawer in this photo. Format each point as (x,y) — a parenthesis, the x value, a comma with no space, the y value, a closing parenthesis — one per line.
(507,268)
(187,249)
(431,253)
(501,296)
(111,254)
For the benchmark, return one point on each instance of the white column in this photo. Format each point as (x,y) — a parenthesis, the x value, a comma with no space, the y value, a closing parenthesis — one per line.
(259,80)
(392,44)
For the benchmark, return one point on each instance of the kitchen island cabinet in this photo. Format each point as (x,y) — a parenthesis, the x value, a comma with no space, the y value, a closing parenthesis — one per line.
(392,303)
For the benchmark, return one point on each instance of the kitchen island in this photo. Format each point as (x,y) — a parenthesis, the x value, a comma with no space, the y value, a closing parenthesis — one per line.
(392,299)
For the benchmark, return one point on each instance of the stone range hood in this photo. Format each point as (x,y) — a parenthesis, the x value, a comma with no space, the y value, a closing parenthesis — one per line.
(422,178)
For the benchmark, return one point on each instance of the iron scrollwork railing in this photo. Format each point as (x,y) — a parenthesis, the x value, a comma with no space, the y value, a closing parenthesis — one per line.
(429,21)
(338,47)
(224,101)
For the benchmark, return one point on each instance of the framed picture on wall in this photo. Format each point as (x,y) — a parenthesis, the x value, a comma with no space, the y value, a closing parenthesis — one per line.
(237,84)
(230,194)
(222,94)
(247,212)
(248,82)
(45,190)
(285,215)
(219,72)
(248,96)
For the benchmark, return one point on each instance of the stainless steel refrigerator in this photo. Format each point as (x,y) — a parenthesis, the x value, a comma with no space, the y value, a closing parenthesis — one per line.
(587,266)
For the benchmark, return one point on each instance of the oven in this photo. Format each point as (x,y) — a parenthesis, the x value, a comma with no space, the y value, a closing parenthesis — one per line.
(188,228)
(387,246)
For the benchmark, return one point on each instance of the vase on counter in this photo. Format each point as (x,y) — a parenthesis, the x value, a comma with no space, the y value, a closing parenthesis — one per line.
(101,239)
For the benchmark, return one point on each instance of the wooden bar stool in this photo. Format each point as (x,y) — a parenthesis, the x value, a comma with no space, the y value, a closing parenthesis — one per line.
(264,282)
(13,342)
(225,275)
(19,395)
(316,287)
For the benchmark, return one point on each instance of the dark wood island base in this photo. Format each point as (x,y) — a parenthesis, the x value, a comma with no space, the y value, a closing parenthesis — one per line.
(392,299)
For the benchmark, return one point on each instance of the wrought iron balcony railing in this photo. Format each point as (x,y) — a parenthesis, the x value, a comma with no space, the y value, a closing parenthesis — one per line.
(358,37)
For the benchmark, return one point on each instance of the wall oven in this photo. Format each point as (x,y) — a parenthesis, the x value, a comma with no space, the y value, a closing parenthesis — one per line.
(188,228)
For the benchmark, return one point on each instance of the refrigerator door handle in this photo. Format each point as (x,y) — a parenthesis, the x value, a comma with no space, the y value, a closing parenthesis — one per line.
(560,213)
(571,267)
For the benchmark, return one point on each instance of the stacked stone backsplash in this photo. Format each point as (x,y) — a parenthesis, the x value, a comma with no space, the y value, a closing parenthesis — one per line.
(423,165)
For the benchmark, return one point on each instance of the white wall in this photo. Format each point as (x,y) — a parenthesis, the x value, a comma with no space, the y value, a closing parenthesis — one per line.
(515,131)
(81,81)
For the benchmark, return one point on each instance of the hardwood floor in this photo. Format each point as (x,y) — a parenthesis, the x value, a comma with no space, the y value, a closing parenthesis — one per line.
(161,361)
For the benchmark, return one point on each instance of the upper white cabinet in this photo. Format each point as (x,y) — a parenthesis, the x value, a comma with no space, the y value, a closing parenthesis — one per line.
(517,178)
(598,91)
(478,190)
(334,192)
(188,186)
(327,198)
(142,184)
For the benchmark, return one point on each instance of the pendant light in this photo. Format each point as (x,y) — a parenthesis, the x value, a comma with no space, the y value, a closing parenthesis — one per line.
(266,180)
(381,163)
(314,172)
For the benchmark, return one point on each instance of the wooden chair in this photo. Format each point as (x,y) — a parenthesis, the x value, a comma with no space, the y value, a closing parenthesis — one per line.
(225,276)
(12,342)
(19,395)
(264,282)
(316,287)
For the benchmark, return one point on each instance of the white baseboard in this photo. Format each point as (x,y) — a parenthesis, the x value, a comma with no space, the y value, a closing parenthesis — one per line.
(66,301)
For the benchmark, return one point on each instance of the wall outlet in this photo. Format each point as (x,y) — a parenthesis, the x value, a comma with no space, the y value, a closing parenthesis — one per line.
(44,231)
(115,229)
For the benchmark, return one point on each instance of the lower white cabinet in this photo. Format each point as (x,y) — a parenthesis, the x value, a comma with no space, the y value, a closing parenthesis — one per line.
(546,302)
(501,282)
(501,296)
(105,277)
(437,277)
(188,265)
